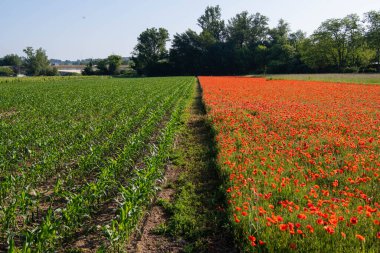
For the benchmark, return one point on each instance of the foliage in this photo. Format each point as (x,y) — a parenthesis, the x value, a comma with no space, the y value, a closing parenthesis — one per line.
(109,66)
(247,30)
(89,69)
(102,67)
(192,215)
(82,143)
(12,60)
(340,78)
(186,53)
(300,161)
(245,44)
(212,24)
(114,63)
(6,71)
(150,52)
(373,33)
(37,63)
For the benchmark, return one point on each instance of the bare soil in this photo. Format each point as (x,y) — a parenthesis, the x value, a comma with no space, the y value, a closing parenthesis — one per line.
(145,240)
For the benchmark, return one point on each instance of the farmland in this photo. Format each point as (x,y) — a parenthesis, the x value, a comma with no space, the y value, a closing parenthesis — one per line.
(301,161)
(255,164)
(338,78)
(80,157)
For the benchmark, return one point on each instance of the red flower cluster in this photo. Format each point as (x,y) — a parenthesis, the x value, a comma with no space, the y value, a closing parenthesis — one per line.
(302,160)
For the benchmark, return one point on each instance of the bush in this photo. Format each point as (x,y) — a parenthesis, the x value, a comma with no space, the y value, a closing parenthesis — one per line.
(6,71)
(71,74)
(351,70)
(51,71)
(369,70)
(88,70)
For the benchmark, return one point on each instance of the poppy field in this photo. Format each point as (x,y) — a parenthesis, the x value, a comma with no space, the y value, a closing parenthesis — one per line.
(80,158)
(301,161)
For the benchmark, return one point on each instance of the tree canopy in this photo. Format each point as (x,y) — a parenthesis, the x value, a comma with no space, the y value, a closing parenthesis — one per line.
(246,44)
(150,50)
(373,33)
(37,63)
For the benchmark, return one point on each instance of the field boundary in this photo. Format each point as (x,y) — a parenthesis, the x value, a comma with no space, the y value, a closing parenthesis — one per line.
(188,213)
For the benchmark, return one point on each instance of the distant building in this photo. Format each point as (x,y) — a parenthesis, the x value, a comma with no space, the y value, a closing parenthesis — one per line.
(70,69)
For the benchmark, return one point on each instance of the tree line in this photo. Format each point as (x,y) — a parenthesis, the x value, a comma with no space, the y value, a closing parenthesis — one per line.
(35,63)
(246,44)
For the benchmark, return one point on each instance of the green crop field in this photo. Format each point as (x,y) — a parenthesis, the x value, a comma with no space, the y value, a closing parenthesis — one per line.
(79,156)
(338,78)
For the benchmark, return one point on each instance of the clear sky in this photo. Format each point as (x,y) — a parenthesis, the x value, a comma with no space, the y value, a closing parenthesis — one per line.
(78,29)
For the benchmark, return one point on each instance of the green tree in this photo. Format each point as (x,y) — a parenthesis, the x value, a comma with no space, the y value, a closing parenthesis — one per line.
(109,66)
(239,29)
(279,34)
(89,69)
(296,38)
(316,55)
(245,33)
(211,23)
(114,63)
(102,66)
(282,55)
(246,29)
(6,71)
(373,33)
(186,53)
(37,63)
(150,50)
(338,44)
(12,60)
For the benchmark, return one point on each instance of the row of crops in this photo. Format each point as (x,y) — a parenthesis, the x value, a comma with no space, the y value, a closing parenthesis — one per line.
(79,156)
(301,162)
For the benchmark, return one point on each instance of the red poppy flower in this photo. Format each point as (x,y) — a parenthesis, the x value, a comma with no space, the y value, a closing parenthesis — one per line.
(311,229)
(302,216)
(354,220)
(329,230)
(360,237)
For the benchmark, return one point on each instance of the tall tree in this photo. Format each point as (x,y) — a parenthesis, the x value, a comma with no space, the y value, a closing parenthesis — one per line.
(37,63)
(211,22)
(281,54)
(150,49)
(280,33)
(355,39)
(296,38)
(239,29)
(186,53)
(246,34)
(373,33)
(339,43)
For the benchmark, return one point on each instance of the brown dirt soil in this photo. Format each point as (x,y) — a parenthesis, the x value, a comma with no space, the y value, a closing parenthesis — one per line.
(8,113)
(145,240)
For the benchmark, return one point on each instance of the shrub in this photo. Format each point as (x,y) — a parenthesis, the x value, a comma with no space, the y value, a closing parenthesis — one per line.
(351,70)
(6,71)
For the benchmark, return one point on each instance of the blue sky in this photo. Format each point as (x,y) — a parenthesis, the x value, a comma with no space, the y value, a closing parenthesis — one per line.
(77,29)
